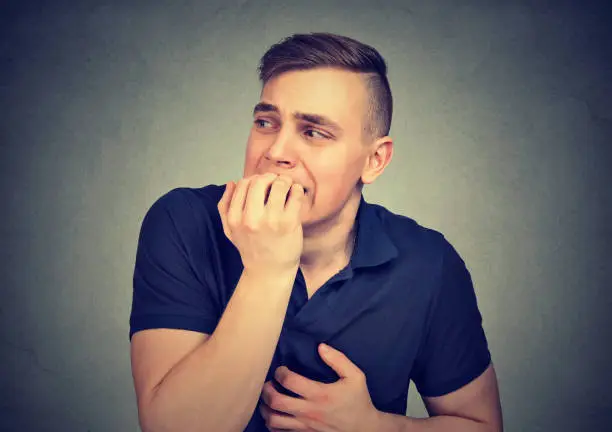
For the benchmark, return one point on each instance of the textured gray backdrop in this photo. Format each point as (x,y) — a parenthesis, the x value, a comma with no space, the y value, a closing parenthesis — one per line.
(503,123)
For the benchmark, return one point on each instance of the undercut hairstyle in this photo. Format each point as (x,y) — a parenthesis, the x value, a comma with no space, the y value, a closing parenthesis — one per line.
(316,50)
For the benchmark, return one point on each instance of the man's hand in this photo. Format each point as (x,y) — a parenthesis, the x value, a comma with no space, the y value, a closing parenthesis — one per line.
(261,217)
(342,406)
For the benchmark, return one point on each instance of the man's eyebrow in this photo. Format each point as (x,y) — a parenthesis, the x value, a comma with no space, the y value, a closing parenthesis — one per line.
(318,120)
(311,118)
(265,107)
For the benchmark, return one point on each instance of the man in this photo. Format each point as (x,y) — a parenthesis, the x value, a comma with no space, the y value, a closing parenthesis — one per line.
(285,301)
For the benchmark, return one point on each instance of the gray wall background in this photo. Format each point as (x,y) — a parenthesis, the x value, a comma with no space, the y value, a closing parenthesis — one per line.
(503,122)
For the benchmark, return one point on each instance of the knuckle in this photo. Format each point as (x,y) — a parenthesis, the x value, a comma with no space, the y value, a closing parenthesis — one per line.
(273,421)
(285,223)
(323,397)
(267,393)
(314,415)
(287,381)
(277,229)
(273,400)
(233,220)
(276,402)
(282,379)
(279,182)
(250,225)
(272,222)
(266,403)
(227,233)
(264,179)
(286,182)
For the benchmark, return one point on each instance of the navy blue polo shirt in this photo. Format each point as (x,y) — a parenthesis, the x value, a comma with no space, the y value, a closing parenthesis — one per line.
(403,308)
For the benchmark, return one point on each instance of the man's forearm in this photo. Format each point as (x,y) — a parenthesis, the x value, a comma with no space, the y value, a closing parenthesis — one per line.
(387,422)
(217,386)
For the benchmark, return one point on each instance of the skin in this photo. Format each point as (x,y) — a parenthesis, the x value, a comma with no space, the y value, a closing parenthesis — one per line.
(341,406)
(331,161)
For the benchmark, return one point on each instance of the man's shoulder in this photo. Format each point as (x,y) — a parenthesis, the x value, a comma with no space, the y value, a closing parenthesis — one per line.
(186,209)
(407,233)
(190,201)
(184,197)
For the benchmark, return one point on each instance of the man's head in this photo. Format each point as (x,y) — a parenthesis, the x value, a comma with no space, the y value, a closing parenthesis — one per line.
(323,119)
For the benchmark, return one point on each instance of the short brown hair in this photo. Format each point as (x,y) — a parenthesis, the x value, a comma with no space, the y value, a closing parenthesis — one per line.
(309,51)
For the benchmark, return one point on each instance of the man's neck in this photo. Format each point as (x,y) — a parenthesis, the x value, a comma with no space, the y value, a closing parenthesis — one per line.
(332,244)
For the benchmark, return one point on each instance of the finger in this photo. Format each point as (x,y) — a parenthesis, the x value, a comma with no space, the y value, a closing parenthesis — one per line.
(339,362)
(295,200)
(236,206)
(283,403)
(278,193)
(278,421)
(297,383)
(256,196)
(223,204)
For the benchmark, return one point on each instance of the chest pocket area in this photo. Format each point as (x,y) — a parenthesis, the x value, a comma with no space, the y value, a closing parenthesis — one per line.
(384,349)
(386,359)
(386,373)
(298,350)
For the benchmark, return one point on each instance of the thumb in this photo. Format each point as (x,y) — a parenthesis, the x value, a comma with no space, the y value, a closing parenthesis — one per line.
(339,362)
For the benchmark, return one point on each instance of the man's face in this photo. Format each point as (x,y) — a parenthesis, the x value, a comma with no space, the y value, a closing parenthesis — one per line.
(309,125)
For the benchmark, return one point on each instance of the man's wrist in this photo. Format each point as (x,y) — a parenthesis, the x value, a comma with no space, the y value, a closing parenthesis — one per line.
(378,421)
(272,276)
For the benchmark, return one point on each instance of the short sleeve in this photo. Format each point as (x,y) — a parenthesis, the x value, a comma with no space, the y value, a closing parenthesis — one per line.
(454,350)
(167,292)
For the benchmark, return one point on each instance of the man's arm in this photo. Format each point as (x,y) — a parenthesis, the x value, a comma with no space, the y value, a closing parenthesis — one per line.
(193,382)
(189,381)
(473,408)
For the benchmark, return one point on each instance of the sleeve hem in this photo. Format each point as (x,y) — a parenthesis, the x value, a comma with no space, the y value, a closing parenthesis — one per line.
(146,322)
(457,383)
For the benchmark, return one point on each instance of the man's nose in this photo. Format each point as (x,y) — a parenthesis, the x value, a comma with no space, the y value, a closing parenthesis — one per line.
(281,151)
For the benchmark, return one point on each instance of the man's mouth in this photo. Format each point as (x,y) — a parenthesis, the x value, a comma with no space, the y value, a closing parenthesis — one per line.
(306,191)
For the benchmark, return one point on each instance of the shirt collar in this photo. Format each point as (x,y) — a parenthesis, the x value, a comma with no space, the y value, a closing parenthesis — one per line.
(373,246)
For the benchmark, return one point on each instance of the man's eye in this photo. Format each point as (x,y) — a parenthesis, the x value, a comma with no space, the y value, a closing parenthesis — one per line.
(312,133)
(261,123)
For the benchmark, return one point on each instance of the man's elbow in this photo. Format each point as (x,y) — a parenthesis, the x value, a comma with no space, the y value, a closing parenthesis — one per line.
(488,425)
(149,419)
(152,418)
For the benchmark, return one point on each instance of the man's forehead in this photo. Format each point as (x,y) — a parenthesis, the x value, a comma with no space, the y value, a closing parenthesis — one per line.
(329,92)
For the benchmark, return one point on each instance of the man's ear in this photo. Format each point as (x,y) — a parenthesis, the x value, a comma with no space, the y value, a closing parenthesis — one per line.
(379,157)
